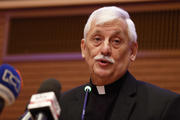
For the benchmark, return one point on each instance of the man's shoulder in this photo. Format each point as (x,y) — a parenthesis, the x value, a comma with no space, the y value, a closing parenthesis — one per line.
(70,94)
(150,89)
(155,91)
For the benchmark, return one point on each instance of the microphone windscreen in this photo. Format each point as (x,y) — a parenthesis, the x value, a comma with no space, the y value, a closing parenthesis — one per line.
(10,83)
(51,85)
(46,101)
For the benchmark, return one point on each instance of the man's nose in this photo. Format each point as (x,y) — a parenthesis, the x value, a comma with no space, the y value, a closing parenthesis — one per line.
(106,48)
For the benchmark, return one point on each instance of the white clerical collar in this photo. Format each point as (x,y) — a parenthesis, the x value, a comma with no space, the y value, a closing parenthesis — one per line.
(101,90)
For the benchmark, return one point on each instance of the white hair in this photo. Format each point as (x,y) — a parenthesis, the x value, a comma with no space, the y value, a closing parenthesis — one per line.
(106,14)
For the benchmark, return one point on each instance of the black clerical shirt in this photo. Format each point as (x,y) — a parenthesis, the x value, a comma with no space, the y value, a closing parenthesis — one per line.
(100,105)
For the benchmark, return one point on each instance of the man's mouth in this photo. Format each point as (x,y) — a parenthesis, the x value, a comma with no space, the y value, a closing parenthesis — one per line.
(103,62)
(104,59)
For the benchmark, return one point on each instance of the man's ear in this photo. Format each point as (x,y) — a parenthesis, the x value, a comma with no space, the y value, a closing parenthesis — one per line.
(134,49)
(83,47)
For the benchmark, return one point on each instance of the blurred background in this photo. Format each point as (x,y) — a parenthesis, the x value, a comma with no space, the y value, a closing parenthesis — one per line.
(41,38)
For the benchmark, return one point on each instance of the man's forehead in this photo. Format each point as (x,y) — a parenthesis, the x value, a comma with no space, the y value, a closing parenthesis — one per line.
(117,25)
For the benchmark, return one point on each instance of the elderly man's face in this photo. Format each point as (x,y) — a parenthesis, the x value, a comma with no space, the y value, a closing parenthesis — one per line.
(108,51)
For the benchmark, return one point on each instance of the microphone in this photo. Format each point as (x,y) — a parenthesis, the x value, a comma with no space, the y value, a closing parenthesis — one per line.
(45,104)
(87,89)
(10,85)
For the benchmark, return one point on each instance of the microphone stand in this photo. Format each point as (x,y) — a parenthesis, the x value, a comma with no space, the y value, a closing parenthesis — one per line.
(41,116)
(87,89)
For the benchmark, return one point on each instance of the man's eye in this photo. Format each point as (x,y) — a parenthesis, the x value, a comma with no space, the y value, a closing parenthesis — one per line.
(97,39)
(116,41)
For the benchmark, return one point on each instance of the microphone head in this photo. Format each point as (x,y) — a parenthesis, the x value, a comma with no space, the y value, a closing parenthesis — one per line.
(51,85)
(10,83)
(46,101)
(87,88)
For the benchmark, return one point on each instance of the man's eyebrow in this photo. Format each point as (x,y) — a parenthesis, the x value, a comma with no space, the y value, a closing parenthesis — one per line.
(117,32)
(96,32)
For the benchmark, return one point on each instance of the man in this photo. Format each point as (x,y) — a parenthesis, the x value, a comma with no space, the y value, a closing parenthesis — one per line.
(109,46)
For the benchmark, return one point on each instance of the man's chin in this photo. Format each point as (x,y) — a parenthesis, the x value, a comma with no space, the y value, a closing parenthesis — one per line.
(102,73)
(99,82)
